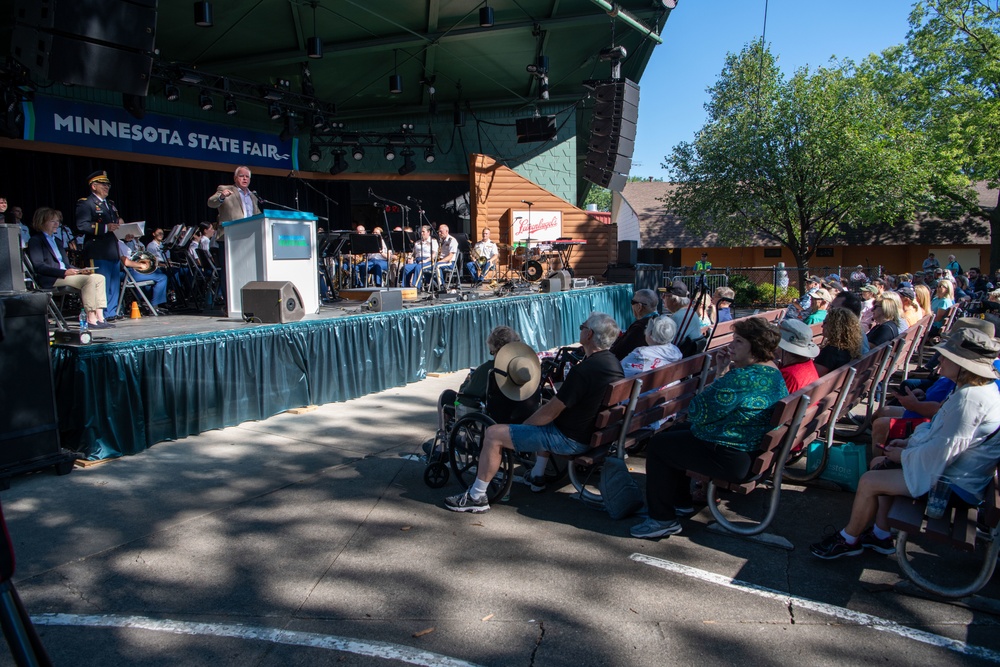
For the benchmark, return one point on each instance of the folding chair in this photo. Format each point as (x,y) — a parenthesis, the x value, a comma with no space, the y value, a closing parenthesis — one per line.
(130,283)
(54,311)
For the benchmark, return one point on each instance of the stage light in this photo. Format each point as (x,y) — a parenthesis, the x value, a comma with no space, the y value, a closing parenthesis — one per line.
(408,164)
(203,14)
(231,108)
(314,153)
(429,155)
(319,122)
(358,153)
(486,16)
(390,153)
(290,128)
(205,100)
(458,116)
(172,92)
(274,111)
(339,163)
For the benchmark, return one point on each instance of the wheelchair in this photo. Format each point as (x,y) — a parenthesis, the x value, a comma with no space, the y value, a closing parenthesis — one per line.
(459,438)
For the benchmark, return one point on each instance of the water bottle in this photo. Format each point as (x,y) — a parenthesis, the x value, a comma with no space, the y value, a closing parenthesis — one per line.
(937,499)
(83,320)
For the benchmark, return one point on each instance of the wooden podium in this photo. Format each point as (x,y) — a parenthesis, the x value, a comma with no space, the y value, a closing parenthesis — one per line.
(272,246)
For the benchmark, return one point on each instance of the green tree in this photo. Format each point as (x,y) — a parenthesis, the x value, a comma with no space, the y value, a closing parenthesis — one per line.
(946,78)
(600,196)
(795,161)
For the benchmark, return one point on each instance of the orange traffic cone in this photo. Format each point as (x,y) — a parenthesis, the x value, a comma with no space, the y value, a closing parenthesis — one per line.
(135,311)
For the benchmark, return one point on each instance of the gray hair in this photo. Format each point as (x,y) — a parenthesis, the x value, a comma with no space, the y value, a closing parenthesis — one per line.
(647,297)
(499,337)
(242,166)
(605,330)
(661,330)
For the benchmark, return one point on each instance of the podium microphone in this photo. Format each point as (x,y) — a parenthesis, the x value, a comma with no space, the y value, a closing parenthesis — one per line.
(525,201)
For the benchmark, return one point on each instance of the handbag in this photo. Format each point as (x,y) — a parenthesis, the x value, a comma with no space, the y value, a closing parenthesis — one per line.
(620,493)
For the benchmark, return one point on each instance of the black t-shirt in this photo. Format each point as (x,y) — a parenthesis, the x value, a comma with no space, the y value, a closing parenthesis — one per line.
(582,393)
(832,357)
(634,336)
(882,333)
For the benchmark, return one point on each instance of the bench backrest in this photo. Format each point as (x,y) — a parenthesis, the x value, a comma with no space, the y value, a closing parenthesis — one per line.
(802,416)
(722,334)
(639,401)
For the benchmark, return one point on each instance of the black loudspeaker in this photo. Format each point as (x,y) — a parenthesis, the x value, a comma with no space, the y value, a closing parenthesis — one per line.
(271,302)
(535,129)
(628,253)
(612,133)
(381,302)
(11,273)
(106,44)
(30,427)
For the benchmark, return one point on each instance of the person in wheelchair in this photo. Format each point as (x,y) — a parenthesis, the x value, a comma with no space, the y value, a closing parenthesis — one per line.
(480,392)
(564,425)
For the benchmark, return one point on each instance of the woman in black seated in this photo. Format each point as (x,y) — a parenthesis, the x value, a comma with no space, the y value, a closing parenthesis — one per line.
(885,314)
(52,267)
(841,341)
(725,423)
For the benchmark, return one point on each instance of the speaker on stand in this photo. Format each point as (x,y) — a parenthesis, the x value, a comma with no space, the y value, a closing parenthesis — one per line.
(612,133)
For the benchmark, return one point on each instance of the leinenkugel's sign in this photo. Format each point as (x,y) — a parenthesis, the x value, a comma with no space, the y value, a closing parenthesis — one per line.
(77,123)
(539,225)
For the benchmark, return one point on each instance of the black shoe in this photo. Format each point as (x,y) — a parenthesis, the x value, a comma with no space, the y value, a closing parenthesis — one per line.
(836,546)
(884,547)
(102,325)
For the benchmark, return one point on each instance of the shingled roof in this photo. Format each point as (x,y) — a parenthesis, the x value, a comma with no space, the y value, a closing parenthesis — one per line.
(660,228)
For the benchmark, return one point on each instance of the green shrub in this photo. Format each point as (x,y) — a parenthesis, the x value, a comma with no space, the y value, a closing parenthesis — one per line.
(783,296)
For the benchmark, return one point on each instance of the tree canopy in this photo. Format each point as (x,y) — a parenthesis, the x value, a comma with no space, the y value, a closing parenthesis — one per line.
(796,160)
(946,79)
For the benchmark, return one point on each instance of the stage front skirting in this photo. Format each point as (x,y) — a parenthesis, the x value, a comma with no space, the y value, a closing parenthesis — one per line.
(117,399)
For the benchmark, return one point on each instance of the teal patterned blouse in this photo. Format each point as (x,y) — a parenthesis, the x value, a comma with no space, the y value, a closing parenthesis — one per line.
(733,410)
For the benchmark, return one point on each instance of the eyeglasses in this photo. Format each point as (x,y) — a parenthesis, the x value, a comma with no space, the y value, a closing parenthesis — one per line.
(637,303)
(584,326)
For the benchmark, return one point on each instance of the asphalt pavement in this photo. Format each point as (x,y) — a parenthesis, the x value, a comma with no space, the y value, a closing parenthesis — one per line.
(312,539)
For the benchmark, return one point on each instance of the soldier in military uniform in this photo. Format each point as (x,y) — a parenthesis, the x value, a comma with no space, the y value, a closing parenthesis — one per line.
(96,220)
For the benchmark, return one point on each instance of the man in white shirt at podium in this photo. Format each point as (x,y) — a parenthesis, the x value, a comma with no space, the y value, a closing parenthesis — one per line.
(235,201)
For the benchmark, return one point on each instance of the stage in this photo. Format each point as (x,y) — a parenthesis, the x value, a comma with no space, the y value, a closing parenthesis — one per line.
(165,378)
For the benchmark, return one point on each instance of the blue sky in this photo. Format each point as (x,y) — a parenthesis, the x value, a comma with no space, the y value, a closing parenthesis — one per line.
(699,34)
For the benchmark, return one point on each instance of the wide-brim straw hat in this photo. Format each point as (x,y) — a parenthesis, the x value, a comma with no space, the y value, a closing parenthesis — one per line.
(517,371)
(972,350)
(797,338)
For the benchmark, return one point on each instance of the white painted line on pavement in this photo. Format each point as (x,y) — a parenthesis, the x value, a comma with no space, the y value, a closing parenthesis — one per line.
(841,613)
(310,639)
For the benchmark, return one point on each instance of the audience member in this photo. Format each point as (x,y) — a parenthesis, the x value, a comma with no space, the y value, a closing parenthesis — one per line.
(562,426)
(644,304)
(953,265)
(796,352)
(724,298)
(658,350)
(820,303)
(725,423)
(885,317)
(931,263)
(841,341)
(957,447)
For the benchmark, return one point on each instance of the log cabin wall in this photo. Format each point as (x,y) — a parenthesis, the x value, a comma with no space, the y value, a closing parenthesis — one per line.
(498,190)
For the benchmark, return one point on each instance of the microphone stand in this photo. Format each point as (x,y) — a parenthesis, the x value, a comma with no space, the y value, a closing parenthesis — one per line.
(385,220)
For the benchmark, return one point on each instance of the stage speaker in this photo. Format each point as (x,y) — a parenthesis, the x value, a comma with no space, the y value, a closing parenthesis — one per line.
(271,302)
(612,133)
(530,130)
(552,284)
(63,42)
(11,273)
(564,276)
(381,302)
(628,253)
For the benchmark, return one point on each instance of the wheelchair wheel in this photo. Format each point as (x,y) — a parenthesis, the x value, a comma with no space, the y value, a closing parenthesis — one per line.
(464,445)
(585,479)
(436,474)
(555,471)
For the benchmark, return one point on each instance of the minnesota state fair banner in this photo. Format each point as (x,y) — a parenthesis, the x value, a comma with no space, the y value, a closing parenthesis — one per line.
(75,123)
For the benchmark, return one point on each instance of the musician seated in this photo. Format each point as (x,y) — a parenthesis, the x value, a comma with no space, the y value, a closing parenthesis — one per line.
(480,388)
(379,261)
(52,267)
(424,252)
(484,254)
(142,267)
(367,263)
(447,254)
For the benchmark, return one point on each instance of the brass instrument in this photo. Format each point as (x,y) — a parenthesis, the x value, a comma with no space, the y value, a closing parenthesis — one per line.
(145,259)
(478,258)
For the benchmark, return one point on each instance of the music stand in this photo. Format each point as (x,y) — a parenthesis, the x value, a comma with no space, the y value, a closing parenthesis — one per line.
(402,241)
(172,236)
